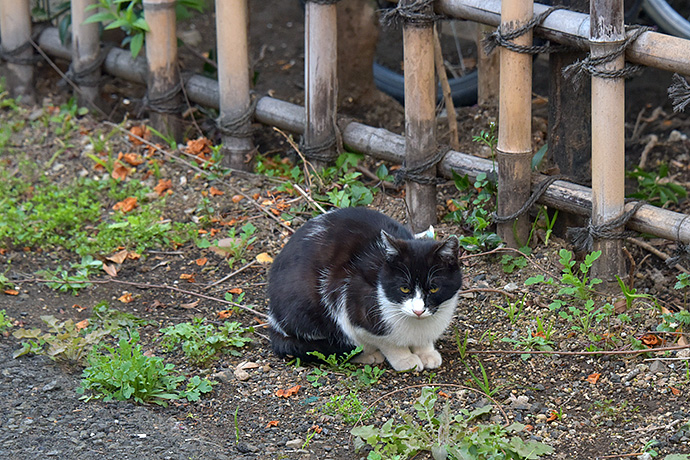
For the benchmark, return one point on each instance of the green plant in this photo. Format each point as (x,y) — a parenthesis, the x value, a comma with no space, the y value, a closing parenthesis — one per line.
(117,323)
(483,384)
(235,245)
(65,341)
(682,284)
(202,341)
(369,375)
(656,187)
(349,407)
(510,263)
(446,435)
(532,341)
(63,281)
(337,363)
(125,372)
(128,15)
(514,309)
(5,322)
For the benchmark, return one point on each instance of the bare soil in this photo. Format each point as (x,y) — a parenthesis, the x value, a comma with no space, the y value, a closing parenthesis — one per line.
(635,399)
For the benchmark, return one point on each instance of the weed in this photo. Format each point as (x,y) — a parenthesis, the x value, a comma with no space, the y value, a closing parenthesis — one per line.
(349,407)
(369,375)
(338,363)
(202,341)
(235,245)
(124,373)
(446,435)
(315,376)
(514,309)
(65,341)
(682,284)
(532,341)
(483,384)
(656,187)
(462,343)
(117,323)
(5,322)
(510,263)
(63,281)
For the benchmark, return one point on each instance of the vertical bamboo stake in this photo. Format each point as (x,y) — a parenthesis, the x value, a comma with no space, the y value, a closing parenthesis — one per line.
(321,82)
(163,80)
(420,119)
(233,83)
(488,70)
(85,50)
(514,150)
(607,31)
(15,33)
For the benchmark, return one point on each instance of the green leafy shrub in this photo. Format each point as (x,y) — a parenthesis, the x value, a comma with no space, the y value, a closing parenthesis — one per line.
(201,341)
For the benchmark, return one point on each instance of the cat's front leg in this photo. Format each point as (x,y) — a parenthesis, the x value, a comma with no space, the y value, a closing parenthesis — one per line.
(369,355)
(428,355)
(402,359)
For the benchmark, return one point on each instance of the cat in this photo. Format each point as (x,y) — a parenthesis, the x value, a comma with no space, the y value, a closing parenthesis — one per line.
(356,277)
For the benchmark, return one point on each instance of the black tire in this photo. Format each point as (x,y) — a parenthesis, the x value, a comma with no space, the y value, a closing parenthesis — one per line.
(670,20)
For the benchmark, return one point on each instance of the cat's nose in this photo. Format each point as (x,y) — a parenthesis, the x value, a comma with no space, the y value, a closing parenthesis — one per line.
(419,313)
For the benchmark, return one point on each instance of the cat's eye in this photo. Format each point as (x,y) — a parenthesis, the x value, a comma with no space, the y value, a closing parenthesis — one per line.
(404,289)
(434,290)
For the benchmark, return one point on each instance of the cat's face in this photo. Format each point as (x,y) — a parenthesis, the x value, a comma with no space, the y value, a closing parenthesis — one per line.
(419,276)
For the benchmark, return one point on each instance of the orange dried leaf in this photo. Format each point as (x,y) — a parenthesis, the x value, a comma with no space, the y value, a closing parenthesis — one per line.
(163,186)
(651,340)
(199,146)
(133,159)
(11,292)
(118,257)
(215,192)
(444,394)
(289,392)
(272,423)
(141,131)
(202,261)
(553,415)
(237,198)
(675,391)
(126,297)
(224,314)
(133,256)
(235,291)
(82,324)
(78,307)
(190,304)
(593,378)
(126,205)
(190,277)
(110,270)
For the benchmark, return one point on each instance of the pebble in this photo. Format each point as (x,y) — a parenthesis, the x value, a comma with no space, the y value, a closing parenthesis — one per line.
(294,443)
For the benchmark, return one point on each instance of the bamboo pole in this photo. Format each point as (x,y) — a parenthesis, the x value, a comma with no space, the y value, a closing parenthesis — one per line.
(388,146)
(607,31)
(163,75)
(321,82)
(233,80)
(420,119)
(652,49)
(85,51)
(514,150)
(15,33)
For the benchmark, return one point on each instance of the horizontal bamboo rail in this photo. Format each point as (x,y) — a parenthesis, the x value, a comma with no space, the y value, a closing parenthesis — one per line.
(652,49)
(384,145)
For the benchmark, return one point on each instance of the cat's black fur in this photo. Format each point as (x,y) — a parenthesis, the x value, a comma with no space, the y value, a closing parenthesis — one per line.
(340,281)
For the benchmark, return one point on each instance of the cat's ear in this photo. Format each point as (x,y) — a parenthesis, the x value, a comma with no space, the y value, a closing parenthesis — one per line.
(390,245)
(448,250)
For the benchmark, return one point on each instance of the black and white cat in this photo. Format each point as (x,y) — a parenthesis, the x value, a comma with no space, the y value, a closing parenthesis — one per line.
(355,277)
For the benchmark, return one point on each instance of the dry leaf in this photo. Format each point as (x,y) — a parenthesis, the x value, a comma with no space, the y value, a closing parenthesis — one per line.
(444,394)
(235,291)
(133,159)
(272,423)
(675,391)
(202,261)
(651,340)
(11,292)
(110,269)
(593,378)
(120,171)
(118,257)
(553,415)
(189,277)
(289,392)
(141,131)
(237,198)
(163,186)
(79,308)
(190,304)
(215,192)
(82,324)
(126,205)
(126,297)
(620,306)
(224,314)
(264,258)
(199,146)
(133,256)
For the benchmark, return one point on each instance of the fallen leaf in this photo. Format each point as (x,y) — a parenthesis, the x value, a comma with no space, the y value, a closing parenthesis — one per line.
(553,415)
(158,304)
(224,314)
(651,340)
(126,297)
(264,258)
(79,308)
(126,205)
(118,257)
(202,261)
(163,186)
(215,192)
(529,427)
(620,306)
(110,269)
(189,277)
(235,291)
(199,146)
(82,324)
(593,378)
(237,198)
(675,391)
(141,131)
(120,171)
(289,392)
(133,159)
(133,256)
(190,304)
(444,394)
(272,423)
(11,292)
(316,429)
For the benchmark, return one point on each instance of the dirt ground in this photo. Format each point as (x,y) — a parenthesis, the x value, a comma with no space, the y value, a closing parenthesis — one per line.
(584,406)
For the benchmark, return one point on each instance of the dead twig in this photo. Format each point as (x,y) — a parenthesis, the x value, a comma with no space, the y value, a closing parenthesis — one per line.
(663,256)
(225,278)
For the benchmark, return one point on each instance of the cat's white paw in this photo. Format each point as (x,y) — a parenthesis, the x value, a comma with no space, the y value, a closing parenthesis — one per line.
(431,359)
(406,362)
(375,357)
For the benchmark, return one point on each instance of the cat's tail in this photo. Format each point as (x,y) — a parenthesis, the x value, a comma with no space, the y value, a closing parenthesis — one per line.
(288,346)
